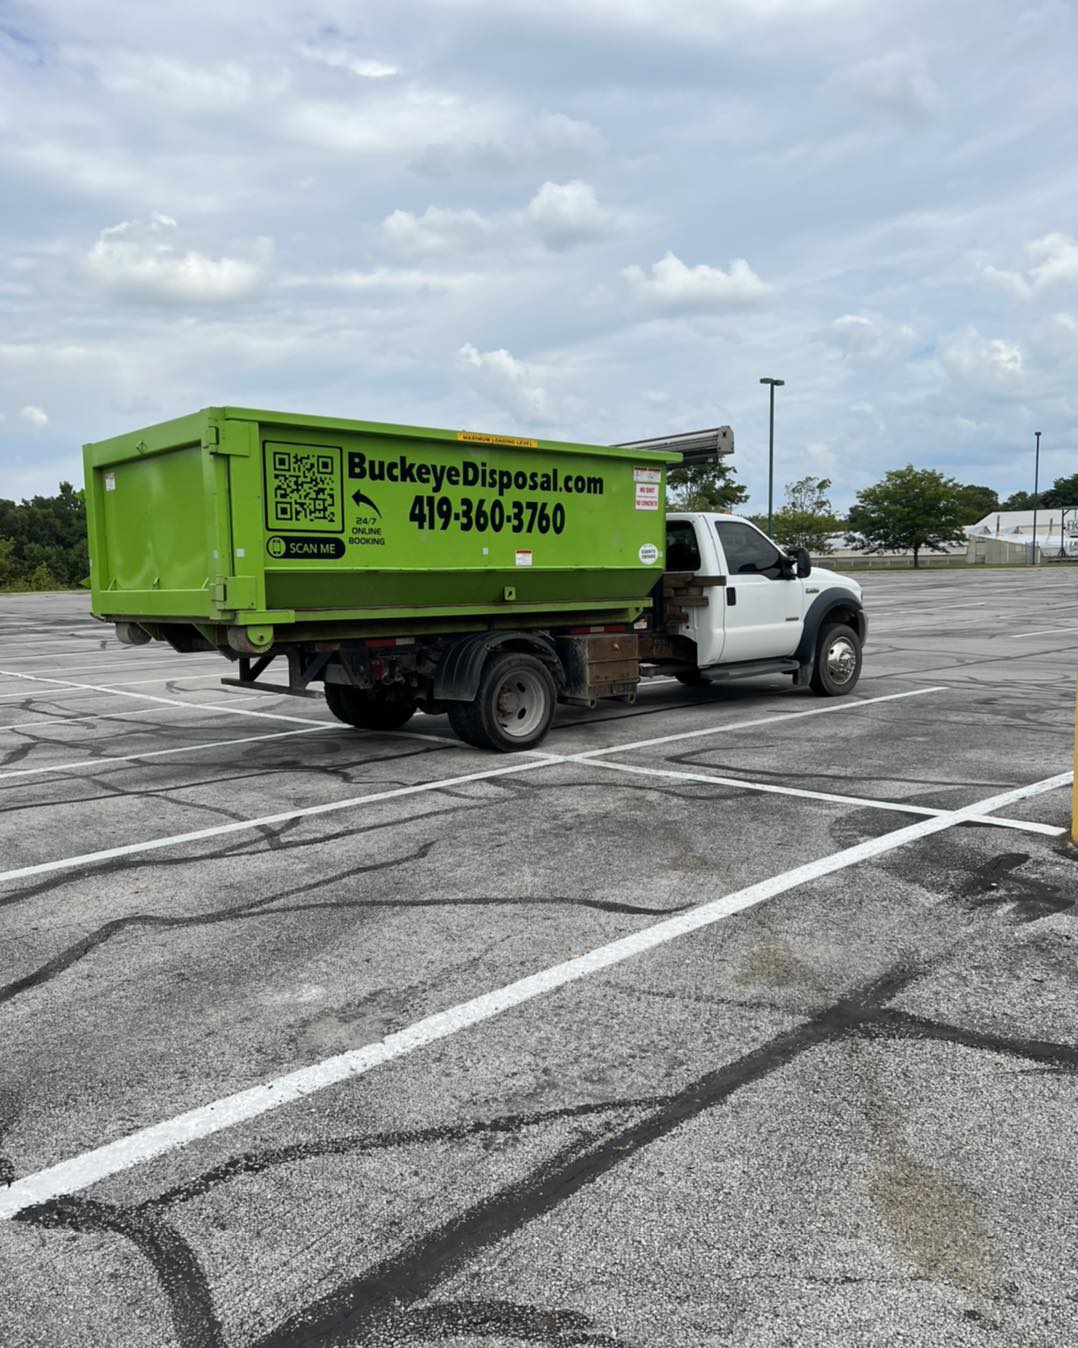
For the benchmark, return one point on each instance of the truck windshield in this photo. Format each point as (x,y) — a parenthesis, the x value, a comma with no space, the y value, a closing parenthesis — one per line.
(682,550)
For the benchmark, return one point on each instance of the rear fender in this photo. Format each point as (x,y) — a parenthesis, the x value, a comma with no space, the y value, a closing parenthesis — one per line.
(457,677)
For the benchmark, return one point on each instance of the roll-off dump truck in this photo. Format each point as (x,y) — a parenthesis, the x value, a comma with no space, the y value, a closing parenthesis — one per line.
(486,576)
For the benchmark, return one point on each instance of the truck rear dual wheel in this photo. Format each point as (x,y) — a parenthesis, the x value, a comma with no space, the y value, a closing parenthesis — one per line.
(367,710)
(838,661)
(513,708)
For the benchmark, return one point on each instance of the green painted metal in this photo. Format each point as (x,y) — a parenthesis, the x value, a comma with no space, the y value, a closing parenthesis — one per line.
(239,517)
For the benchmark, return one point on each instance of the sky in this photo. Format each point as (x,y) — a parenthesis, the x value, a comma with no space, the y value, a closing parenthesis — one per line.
(593,220)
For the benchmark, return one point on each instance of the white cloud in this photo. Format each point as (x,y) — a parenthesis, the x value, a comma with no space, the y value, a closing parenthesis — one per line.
(401,281)
(981,364)
(559,216)
(435,231)
(896,83)
(394,121)
(866,339)
(673,285)
(166,79)
(568,213)
(339,58)
(508,382)
(1053,263)
(34,416)
(1055,259)
(1010,282)
(141,261)
(544,144)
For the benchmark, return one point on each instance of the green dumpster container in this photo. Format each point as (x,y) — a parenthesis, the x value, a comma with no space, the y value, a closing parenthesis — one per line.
(275,526)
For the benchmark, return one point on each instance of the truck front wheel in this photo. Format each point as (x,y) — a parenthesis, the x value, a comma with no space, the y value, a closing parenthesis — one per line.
(838,661)
(367,711)
(513,707)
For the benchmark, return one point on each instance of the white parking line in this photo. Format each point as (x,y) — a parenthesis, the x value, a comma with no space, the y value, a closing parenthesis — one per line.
(285,816)
(121,691)
(1044,632)
(152,660)
(80,1172)
(900,807)
(56,722)
(776,720)
(353,802)
(107,760)
(65,685)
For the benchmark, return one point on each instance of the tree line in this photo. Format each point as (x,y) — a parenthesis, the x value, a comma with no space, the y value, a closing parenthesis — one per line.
(43,541)
(909,510)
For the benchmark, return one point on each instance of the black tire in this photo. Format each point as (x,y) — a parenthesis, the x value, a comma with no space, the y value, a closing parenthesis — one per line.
(367,711)
(513,708)
(837,665)
(691,678)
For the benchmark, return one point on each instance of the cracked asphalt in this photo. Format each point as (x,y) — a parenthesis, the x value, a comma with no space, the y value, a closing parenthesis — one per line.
(840,1113)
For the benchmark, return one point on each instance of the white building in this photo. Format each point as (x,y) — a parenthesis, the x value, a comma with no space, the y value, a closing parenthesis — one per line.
(1050,519)
(1005,534)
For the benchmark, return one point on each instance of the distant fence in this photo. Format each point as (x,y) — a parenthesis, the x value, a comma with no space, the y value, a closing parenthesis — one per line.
(935,563)
(869,562)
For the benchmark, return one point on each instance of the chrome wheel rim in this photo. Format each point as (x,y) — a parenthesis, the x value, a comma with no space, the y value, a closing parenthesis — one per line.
(841,660)
(520,704)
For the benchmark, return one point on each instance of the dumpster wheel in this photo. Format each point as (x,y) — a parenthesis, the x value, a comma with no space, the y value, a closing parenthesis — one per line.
(513,708)
(367,711)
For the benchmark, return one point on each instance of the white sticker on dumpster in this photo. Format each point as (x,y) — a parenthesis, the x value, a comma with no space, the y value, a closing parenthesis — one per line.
(110,481)
(524,557)
(649,553)
(647,496)
(647,475)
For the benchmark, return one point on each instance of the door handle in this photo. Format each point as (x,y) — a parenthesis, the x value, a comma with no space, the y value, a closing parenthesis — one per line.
(731,596)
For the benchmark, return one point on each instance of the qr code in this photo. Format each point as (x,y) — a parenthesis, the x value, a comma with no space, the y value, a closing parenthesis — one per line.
(303,489)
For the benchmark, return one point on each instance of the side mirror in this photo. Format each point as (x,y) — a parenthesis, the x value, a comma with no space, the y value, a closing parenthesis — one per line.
(803,562)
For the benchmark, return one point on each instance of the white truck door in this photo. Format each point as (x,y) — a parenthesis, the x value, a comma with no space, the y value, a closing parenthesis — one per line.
(691,546)
(765,602)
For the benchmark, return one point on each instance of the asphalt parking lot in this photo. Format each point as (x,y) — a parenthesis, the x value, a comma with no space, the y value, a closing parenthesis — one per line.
(738,1017)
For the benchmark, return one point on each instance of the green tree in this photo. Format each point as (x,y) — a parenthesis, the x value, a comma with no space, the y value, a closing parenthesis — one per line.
(45,532)
(704,486)
(1062,492)
(912,508)
(977,502)
(7,568)
(806,520)
(41,578)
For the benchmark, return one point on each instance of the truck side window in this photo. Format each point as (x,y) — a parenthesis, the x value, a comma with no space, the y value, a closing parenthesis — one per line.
(748,553)
(682,550)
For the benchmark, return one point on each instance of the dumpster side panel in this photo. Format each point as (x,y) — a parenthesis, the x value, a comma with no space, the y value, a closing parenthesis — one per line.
(358,520)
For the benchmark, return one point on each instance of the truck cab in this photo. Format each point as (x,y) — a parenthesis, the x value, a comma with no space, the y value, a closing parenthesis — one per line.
(755,608)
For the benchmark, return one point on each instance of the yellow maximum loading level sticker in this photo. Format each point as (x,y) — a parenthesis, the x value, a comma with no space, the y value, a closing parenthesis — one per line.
(478,438)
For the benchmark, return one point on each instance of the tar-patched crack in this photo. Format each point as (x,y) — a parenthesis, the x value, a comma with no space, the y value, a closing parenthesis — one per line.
(349,775)
(274,905)
(390,1301)
(237,912)
(274,836)
(1000,884)
(9,1110)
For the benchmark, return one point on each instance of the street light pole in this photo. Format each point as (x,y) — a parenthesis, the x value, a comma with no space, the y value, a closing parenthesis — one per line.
(774,383)
(1036,496)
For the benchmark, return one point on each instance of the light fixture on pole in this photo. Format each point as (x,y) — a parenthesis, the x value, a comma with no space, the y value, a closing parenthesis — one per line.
(775,383)
(1036,495)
